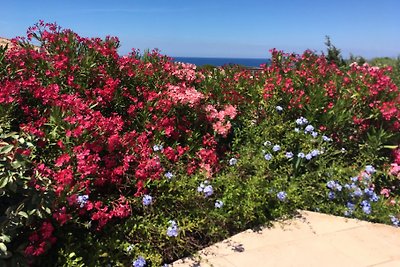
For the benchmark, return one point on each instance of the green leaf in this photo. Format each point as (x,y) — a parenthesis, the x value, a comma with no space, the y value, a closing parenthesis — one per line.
(390,147)
(5,238)
(3,182)
(16,164)
(3,247)
(23,214)
(6,149)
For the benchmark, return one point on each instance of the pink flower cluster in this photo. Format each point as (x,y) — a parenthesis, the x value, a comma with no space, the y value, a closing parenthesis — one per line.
(219,119)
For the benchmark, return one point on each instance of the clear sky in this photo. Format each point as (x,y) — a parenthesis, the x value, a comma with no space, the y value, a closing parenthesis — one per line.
(220,28)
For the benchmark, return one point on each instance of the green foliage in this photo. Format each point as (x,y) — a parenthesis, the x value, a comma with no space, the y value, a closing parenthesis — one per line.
(333,53)
(20,204)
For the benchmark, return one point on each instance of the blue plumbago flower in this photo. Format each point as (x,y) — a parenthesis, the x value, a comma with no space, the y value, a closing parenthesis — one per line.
(351,206)
(232,161)
(297,130)
(301,155)
(172,230)
(147,200)
(168,175)
(347,186)
(315,152)
(281,195)
(314,134)
(338,187)
(309,128)
(331,195)
(347,213)
(82,200)
(374,197)
(331,184)
(208,190)
(334,185)
(276,148)
(200,188)
(350,209)
(370,169)
(301,121)
(366,206)
(139,262)
(267,156)
(326,138)
(354,179)
(366,209)
(267,143)
(219,204)
(289,154)
(357,192)
(279,108)
(158,147)
(366,177)
(309,156)
(395,220)
(369,191)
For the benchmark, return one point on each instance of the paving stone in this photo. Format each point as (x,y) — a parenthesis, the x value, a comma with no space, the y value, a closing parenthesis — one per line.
(314,239)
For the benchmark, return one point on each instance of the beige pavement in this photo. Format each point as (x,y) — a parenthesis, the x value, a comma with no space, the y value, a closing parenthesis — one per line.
(313,239)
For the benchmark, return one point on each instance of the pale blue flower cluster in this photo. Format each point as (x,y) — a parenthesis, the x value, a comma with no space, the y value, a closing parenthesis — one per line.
(169,175)
(219,204)
(267,156)
(289,154)
(232,161)
(281,196)
(309,128)
(366,206)
(334,185)
(326,138)
(310,155)
(276,148)
(370,169)
(157,148)
(147,200)
(172,230)
(395,220)
(139,262)
(301,121)
(205,188)
(358,190)
(82,200)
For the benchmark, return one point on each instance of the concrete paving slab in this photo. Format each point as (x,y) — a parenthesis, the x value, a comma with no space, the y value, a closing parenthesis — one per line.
(314,239)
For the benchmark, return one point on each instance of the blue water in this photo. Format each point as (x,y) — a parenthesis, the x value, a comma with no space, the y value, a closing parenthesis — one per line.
(200,61)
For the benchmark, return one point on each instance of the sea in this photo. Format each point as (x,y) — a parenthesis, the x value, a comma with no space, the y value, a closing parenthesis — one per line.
(216,61)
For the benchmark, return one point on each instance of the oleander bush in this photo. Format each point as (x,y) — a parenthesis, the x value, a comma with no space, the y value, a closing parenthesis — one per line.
(138,161)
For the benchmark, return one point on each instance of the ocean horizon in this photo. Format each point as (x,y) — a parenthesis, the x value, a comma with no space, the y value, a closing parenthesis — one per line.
(215,61)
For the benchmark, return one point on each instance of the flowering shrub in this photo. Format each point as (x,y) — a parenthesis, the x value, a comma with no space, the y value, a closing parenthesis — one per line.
(139,160)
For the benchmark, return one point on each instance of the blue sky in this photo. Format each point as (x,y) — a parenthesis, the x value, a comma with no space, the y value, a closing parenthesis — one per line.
(220,28)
